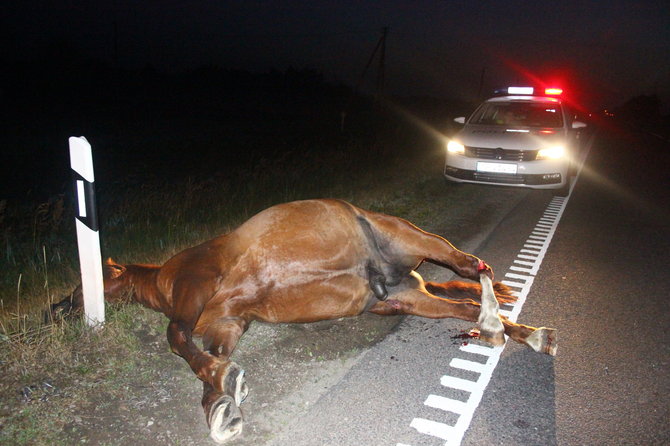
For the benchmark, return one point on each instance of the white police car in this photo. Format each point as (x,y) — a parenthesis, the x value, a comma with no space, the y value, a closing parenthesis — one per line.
(522,138)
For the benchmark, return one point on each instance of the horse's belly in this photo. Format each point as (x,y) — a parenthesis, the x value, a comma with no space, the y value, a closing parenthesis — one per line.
(310,301)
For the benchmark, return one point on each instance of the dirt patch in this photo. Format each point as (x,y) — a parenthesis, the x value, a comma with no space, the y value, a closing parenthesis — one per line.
(288,375)
(154,398)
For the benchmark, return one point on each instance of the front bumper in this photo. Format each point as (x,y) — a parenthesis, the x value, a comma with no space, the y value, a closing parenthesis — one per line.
(539,181)
(546,174)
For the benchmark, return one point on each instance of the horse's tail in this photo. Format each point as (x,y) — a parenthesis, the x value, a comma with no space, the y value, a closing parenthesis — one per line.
(463,290)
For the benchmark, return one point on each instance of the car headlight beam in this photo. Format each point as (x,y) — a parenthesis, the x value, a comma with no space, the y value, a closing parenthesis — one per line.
(455,147)
(553,153)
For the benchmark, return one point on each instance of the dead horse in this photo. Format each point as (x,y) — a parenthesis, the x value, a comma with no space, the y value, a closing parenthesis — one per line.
(303,261)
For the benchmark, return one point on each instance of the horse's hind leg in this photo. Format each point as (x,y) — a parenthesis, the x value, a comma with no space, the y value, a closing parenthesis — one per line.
(417,301)
(490,327)
(406,245)
(221,407)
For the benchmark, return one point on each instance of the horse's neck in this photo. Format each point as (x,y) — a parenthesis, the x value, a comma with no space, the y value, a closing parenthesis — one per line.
(145,288)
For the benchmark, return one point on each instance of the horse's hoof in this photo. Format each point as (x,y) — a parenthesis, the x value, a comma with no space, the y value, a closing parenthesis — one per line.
(230,380)
(543,340)
(241,388)
(492,330)
(492,337)
(244,392)
(225,420)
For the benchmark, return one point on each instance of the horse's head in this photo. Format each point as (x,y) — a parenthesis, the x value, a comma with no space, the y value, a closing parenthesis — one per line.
(116,288)
(116,281)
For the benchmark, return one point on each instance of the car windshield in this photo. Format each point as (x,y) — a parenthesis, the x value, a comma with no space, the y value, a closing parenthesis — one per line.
(525,114)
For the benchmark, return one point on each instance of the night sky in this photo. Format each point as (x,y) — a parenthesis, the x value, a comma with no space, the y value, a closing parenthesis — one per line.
(606,51)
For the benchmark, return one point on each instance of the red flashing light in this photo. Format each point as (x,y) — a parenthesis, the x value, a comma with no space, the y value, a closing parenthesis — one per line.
(553,91)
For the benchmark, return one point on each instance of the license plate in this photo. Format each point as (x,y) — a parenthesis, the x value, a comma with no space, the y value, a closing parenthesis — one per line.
(496,167)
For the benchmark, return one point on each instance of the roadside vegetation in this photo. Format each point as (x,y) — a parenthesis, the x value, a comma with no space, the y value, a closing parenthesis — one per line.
(168,189)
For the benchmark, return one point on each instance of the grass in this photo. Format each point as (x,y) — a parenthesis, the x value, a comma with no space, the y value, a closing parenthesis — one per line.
(148,222)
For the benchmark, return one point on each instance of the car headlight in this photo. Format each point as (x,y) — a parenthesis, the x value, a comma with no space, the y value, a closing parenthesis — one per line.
(551,153)
(455,147)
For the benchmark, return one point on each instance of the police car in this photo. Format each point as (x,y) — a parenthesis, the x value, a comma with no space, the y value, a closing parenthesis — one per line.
(524,137)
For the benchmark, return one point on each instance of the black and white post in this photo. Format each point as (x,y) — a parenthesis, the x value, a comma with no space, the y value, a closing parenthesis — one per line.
(88,238)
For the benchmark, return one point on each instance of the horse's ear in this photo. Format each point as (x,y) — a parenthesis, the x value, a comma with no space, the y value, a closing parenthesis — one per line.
(113,269)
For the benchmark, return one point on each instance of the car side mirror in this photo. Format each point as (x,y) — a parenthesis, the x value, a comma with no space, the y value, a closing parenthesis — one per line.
(460,119)
(578,125)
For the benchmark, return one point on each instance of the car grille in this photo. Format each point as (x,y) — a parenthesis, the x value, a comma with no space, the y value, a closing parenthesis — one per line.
(500,154)
(504,178)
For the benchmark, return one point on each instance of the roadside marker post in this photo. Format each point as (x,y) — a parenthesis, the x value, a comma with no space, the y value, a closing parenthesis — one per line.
(88,238)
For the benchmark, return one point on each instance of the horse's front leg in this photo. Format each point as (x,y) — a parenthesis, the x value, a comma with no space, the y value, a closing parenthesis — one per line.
(190,297)
(221,405)
(419,302)
(180,338)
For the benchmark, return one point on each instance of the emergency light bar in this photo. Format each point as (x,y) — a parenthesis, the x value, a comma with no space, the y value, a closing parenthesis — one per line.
(520,90)
(549,91)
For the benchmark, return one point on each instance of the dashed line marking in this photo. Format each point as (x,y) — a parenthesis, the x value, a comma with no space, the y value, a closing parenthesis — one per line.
(446,404)
(458,383)
(433,428)
(465,364)
(518,276)
(478,349)
(514,284)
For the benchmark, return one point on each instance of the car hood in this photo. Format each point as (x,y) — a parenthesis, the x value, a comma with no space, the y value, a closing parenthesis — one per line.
(509,138)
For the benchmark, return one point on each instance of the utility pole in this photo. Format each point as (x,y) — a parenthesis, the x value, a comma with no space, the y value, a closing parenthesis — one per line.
(379,87)
(381,48)
(379,93)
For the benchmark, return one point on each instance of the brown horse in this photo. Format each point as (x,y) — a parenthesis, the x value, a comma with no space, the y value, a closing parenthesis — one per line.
(304,261)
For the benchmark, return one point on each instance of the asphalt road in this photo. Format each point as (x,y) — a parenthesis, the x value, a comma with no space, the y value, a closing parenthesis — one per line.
(602,284)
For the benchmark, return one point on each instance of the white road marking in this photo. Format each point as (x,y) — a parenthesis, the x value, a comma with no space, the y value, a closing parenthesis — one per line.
(478,349)
(433,428)
(514,284)
(523,270)
(464,364)
(446,404)
(505,313)
(458,383)
(518,276)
